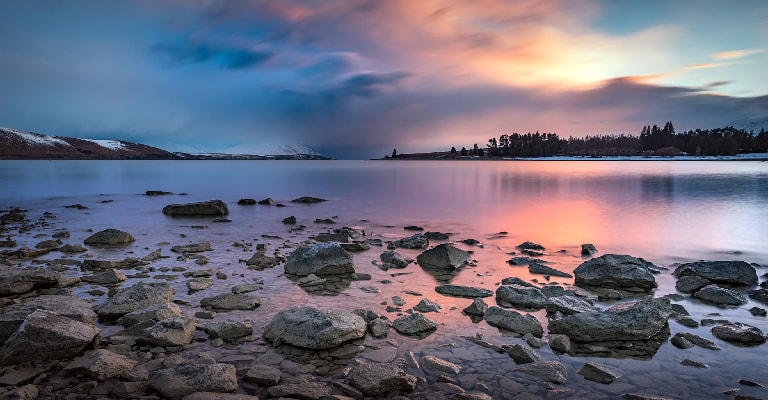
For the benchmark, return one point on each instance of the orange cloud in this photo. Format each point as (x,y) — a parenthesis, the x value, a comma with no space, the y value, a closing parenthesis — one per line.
(709,65)
(735,54)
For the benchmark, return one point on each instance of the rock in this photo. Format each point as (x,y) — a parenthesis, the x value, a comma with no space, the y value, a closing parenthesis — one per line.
(267,202)
(192,248)
(314,329)
(694,340)
(260,261)
(185,379)
(109,237)
(311,280)
(12,316)
(229,331)
(134,298)
(395,259)
(413,228)
(717,295)
(548,371)
(530,246)
(379,328)
(289,220)
(151,314)
(72,248)
(108,277)
(760,295)
(15,280)
(45,336)
(426,305)
(198,284)
(512,280)
(690,284)
(439,367)
(597,373)
(26,392)
(247,202)
(156,193)
(304,390)
(320,259)
(521,354)
(47,244)
(262,375)
(559,343)
(470,396)
(513,321)
(436,236)
(463,291)
(332,237)
(681,342)
(738,332)
(210,207)
(616,271)
(375,379)
(477,308)
(153,256)
(171,332)
(516,261)
(758,312)
(632,396)
(417,241)
(588,249)
(414,324)
(218,396)
(568,305)
(101,364)
(521,296)
(443,256)
(307,200)
(240,289)
(692,363)
(230,301)
(729,272)
(636,320)
(537,268)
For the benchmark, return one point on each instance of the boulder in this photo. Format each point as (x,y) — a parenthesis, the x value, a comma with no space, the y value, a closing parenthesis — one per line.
(417,241)
(15,280)
(427,305)
(101,364)
(636,320)
(395,259)
(513,321)
(588,249)
(738,332)
(463,291)
(151,314)
(616,271)
(210,207)
(185,379)
(320,259)
(45,336)
(375,379)
(568,305)
(289,220)
(414,324)
(109,237)
(548,371)
(521,296)
(597,373)
(439,366)
(538,268)
(690,284)
(379,327)
(314,329)
(521,354)
(134,298)
(108,277)
(443,256)
(717,295)
(729,272)
(229,331)
(267,202)
(171,332)
(11,317)
(230,301)
(477,308)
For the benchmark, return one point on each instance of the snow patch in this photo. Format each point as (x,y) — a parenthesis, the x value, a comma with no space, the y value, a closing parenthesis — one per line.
(30,138)
(115,145)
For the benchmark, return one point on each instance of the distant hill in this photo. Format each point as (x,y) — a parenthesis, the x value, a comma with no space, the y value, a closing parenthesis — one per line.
(21,145)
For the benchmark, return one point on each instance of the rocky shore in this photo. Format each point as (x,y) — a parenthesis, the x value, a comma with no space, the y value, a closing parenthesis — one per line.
(83,315)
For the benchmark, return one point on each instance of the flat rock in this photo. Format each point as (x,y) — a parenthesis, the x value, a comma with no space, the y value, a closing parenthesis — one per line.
(72,248)
(414,324)
(314,329)
(304,390)
(308,200)
(439,366)
(12,316)
(691,283)
(134,298)
(463,291)
(417,241)
(636,320)
(616,271)
(109,237)
(229,331)
(443,256)
(521,296)
(730,272)
(320,259)
(513,321)
(530,246)
(548,371)
(718,295)
(151,314)
(693,339)
(171,332)
(597,373)
(739,332)
(538,268)
(108,277)
(101,364)
(185,379)
(230,301)
(210,207)
(218,396)
(15,280)
(192,248)
(375,379)
(198,284)
(262,375)
(568,305)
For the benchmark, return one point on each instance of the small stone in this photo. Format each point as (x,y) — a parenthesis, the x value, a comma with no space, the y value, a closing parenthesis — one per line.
(695,364)
(439,366)
(597,373)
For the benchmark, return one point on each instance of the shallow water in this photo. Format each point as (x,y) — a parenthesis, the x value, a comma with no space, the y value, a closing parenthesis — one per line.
(663,211)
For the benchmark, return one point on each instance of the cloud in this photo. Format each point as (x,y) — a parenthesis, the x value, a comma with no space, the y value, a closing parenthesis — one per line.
(709,65)
(190,52)
(735,54)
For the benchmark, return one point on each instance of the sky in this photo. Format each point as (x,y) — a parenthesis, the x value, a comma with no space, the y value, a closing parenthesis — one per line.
(358,78)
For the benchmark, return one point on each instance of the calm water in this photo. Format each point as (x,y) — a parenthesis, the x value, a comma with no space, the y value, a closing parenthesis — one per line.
(662,211)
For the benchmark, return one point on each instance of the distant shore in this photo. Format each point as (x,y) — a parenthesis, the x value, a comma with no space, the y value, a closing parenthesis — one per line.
(448,157)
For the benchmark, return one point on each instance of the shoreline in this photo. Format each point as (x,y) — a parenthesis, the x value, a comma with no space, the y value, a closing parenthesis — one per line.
(744,157)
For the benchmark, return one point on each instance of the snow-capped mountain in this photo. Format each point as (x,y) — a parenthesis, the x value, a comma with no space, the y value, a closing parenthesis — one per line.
(750,124)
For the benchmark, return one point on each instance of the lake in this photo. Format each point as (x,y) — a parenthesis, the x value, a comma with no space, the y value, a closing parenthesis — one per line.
(663,211)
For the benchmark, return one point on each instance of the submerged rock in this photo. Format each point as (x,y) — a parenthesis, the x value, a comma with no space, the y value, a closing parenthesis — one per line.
(548,371)
(308,200)
(463,291)
(314,329)
(597,373)
(414,324)
(320,259)
(444,256)
(192,248)
(730,272)
(740,333)
(230,301)
(616,271)
(439,366)
(109,237)
(210,207)
(513,321)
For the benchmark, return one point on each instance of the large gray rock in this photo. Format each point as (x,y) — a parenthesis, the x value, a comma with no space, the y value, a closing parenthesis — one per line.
(153,314)
(230,301)
(109,237)
(15,280)
(730,272)
(320,259)
(314,329)
(691,283)
(463,291)
(636,320)
(521,296)
(717,295)
(417,241)
(443,256)
(568,305)
(548,371)
(210,207)
(108,277)
(738,332)
(134,298)
(616,271)
(374,379)
(173,332)
(46,336)
(414,324)
(185,379)
(11,317)
(101,364)
(513,321)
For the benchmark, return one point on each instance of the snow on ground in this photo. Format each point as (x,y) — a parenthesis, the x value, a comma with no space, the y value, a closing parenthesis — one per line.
(36,138)
(109,144)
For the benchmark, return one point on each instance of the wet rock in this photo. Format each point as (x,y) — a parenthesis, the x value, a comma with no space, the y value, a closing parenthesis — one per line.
(573,291)
(521,296)
(692,363)
(616,271)
(314,329)
(588,249)
(247,202)
(517,261)
(680,339)
(192,248)
(568,305)
(198,284)
(230,301)
(210,207)
(108,277)
(240,289)
(15,280)
(686,321)
(97,265)
(311,280)
(690,284)
(758,312)
(517,281)
(134,298)
(156,193)
(307,200)
(729,272)
(717,295)
(171,332)
(395,259)
(379,327)
(151,314)
(12,316)
(537,268)
(377,378)
(261,261)
(320,259)
(332,237)
(439,366)
(427,305)
(597,373)
(739,332)
(637,320)
(26,392)
(417,241)
(324,221)
(229,331)
(477,308)
(218,396)
(153,256)
(48,244)
(305,390)
(436,236)
(521,354)
(548,371)
(267,202)
(530,246)
(101,364)
(470,396)
(414,324)
(463,291)
(109,237)
(513,321)
(760,295)
(8,243)
(185,379)
(559,343)
(262,375)
(289,220)
(72,248)
(632,396)
(45,336)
